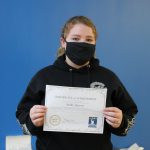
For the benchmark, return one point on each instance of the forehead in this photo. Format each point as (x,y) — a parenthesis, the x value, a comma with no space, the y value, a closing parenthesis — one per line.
(81,29)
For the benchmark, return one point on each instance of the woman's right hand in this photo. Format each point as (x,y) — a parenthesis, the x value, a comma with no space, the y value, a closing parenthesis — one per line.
(37,113)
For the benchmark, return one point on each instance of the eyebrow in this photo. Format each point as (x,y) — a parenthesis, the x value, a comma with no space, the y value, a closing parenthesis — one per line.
(88,36)
(75,35)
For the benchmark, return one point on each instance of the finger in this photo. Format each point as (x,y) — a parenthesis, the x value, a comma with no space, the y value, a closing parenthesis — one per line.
(38,109)
(112,124)
(37,115)
(113,120)
(111,114)
(38,122)
(113,109)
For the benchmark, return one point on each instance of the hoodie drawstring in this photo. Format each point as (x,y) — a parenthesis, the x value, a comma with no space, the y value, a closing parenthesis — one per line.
(89,76)
(71,77)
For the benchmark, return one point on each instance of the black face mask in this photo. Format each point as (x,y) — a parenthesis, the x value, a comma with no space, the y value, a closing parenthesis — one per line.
(80,52)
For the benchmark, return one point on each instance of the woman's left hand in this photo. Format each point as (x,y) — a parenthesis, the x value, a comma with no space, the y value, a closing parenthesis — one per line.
(113,116)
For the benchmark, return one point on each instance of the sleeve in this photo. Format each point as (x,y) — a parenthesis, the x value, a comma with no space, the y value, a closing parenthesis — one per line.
(32,96)
(122,100)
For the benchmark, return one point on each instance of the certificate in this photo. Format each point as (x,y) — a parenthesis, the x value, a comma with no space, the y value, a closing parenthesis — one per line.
(74,109)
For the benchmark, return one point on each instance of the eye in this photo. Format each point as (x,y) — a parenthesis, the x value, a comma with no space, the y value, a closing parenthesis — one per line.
(75,39)
(89,40)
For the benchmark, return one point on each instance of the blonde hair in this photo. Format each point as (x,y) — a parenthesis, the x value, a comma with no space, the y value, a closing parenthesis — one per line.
(70,23)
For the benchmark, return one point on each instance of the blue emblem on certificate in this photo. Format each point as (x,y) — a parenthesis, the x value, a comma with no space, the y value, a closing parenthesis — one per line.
(92,122)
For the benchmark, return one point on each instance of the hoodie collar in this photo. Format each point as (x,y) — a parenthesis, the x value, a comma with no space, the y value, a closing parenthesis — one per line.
(61,64)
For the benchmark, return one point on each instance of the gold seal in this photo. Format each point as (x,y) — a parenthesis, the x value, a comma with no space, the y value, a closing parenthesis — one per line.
(54,120)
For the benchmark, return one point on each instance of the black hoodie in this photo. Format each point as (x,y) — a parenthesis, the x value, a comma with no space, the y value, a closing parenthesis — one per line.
(92,75)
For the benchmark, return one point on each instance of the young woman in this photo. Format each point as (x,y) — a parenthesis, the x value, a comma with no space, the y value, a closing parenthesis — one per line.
(76,66)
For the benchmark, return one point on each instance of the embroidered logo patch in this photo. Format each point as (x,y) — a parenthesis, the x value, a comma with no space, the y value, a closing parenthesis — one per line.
(97,85)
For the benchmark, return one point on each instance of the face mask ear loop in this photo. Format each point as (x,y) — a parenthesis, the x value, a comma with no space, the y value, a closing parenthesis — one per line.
(66,45)
(64,39)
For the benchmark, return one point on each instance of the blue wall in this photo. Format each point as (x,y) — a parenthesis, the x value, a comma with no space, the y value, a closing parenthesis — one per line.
(29,37)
